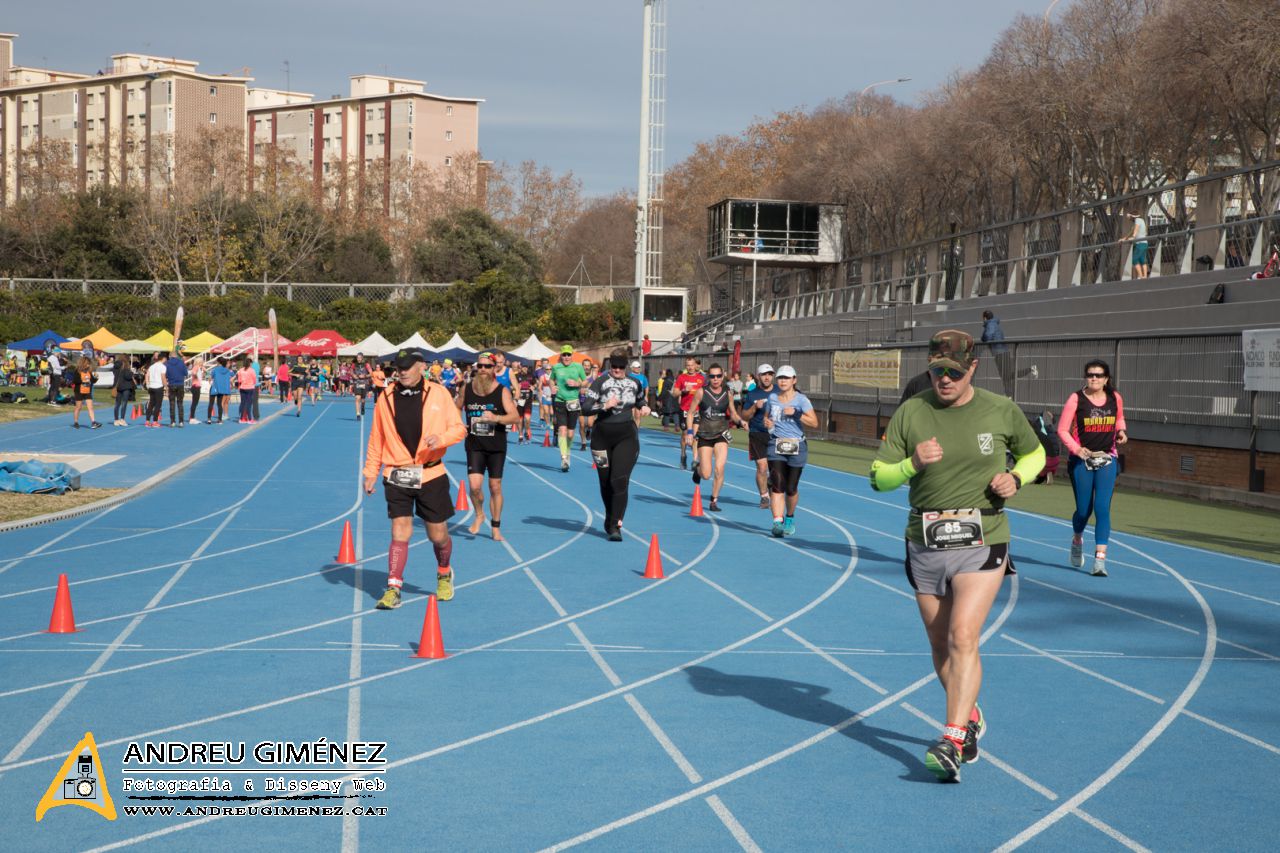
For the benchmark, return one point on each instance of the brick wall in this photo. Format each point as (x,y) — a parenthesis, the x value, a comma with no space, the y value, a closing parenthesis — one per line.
(1210,466)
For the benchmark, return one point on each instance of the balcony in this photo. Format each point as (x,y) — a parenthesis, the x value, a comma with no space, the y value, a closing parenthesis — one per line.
(774,233)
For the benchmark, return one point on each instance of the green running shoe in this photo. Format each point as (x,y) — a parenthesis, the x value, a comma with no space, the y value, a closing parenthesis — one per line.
(943,761)
(444,585)
(390,599)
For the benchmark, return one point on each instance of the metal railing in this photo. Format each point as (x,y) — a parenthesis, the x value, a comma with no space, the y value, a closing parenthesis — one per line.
(1194,381)
(1211,218)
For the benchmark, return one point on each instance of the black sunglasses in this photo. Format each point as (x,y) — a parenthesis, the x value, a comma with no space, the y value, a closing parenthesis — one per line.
(485,366)
(715,376)
(955,374)
(1095,376)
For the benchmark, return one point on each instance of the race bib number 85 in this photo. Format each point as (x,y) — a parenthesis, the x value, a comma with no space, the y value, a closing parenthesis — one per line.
(953,528)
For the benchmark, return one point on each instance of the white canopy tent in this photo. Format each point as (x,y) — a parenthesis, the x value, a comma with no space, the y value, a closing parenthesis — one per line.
(457,342)
(533,350)
(372,346)
(416,340)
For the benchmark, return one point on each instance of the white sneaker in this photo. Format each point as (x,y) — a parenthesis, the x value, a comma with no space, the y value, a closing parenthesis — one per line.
(1077,554)
(1099,567)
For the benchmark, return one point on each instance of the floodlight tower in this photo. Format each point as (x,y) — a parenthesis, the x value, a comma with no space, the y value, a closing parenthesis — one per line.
(653,100)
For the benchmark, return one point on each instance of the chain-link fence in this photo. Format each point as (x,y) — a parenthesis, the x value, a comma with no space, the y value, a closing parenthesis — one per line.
(312,294)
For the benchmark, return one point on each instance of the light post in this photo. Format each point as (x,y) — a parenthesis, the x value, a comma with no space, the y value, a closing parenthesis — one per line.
(863,94)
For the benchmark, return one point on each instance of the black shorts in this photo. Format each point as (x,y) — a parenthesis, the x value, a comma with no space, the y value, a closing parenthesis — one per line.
(80,396)
(284,386)
(564,417)
(757,445)
(526,409)
(712,441)
(432,503)
(478,461)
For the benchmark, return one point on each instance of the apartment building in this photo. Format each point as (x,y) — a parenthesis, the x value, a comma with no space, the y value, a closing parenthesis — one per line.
(122,126)
(384,120)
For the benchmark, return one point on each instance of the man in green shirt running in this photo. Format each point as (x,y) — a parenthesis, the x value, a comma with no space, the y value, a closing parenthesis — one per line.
(950,443)
(569,378)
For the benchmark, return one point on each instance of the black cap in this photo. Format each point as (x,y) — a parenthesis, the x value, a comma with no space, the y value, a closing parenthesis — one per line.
(407,357)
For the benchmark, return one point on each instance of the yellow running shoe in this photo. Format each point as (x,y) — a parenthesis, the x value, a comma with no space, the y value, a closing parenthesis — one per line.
(390,599)
(444,585)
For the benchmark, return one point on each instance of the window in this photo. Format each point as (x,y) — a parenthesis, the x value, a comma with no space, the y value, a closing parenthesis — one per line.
(368,139)
(448,110)
(326,168)
(327,116)
(311,143)
(89,124)
(448,161)
(88,99)
(213,91)
(213,118)
(382,139)
(448,136)
(133,93)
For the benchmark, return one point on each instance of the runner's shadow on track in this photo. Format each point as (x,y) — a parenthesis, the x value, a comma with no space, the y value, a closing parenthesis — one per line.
(543,465)
(656,499)
(372,583)
(561,524)
(805,702)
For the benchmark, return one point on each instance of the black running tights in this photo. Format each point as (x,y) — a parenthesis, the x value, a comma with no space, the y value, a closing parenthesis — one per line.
(621,446)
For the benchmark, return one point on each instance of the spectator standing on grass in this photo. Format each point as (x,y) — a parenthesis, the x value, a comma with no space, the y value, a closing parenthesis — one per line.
(122,385)
(55,377)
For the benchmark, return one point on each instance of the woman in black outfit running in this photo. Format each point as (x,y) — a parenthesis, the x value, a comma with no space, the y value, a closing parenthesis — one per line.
(616,400)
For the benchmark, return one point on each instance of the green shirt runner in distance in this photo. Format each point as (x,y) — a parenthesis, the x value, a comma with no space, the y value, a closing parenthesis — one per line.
(561,373)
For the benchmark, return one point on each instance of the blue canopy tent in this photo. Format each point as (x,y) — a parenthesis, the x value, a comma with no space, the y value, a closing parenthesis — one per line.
(458,354)
(35,343)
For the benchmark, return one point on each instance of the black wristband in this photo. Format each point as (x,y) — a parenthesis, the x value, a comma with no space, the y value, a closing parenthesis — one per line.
(1016,478)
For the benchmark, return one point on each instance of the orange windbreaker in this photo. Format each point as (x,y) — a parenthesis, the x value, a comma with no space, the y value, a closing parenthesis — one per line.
(439,417)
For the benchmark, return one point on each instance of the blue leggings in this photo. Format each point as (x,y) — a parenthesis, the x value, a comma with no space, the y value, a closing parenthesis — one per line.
(1093,497)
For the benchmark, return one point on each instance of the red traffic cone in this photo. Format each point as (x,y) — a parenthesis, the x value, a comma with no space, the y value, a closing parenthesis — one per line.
(546,438)
(63,621)
(653,566)
(347,549)
(462,505)
(695,509)
(135,412)
(431,644)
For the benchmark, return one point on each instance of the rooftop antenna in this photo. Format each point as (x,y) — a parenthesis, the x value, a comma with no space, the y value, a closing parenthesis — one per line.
(288,78)
(653,100)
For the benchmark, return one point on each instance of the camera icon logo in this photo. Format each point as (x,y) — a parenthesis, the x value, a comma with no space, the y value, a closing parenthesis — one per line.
(83,786)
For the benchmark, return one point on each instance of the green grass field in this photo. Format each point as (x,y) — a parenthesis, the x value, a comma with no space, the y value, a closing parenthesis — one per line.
(1247,532)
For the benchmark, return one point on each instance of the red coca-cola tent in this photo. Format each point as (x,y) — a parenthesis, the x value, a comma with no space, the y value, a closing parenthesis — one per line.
(317,342)
(243,341)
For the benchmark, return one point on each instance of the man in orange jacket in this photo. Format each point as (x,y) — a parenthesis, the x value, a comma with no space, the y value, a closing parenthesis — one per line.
(421,415)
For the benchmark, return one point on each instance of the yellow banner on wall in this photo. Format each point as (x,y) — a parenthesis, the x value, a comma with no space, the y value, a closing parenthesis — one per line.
(867,368)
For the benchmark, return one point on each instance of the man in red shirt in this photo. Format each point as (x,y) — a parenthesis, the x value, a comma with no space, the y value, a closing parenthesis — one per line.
(683,390)
(646,346)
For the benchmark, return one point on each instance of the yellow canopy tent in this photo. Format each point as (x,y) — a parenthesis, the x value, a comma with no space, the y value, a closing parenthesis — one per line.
(201,343)
(161,340)
(100,339)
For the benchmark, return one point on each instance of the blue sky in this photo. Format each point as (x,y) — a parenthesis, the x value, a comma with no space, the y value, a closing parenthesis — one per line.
(561,78)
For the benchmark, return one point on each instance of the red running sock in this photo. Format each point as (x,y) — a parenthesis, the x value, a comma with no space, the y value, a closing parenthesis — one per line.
(955,734)
(397,556)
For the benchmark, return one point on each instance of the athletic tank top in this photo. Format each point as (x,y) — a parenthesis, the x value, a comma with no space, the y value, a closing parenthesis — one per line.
(1096,424)
(473,406)
(713,413)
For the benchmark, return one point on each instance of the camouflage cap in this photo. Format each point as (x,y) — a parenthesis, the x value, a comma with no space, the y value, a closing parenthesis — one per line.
(951,348)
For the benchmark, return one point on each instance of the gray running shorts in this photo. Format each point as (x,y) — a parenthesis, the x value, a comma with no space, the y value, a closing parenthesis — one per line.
(929,571)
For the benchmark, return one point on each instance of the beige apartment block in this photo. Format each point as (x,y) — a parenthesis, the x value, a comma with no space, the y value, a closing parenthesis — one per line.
(121,127)
(385,120)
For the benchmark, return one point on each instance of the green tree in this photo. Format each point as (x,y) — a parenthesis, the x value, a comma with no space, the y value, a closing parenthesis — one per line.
(465,244)
(361,257)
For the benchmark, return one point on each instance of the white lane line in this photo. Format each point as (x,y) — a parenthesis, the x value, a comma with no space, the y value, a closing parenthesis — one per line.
(1233,732)
(729,595)
(893,589)
(1237,592)
(736,829)
(52,714)
(55,540)
(415,666)
(1105,828)
(836,662)
(664,740)
(1089,672)
(350,822)
(1152,734)
(1089,653)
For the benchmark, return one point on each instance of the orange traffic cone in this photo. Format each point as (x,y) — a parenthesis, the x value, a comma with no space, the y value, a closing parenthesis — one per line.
(546,438)
(462,505)
(63,621)
(346,550)
(431,644)
(136,407)
(653,566)
(695,509)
